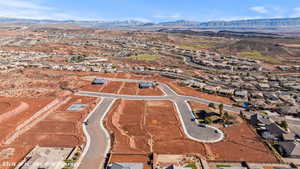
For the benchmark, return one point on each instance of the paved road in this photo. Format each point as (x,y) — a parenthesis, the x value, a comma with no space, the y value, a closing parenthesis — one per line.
(98,140)
(193,131)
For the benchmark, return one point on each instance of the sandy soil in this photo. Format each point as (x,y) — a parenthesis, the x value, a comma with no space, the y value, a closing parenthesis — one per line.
(37,83)
(14,152)
(92,88)
(150,92)
(129,89)
(62,128)
(112,87)
(5,106)
(240,144)
(125,88)
(140,127)
(10,124)
(197,105)
(292,45)
(192,92)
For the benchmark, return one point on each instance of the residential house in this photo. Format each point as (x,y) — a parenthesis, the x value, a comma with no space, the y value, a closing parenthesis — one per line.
(289,110)
(275,130)
(241,93)
(288,137)
(263,86)
(289,149)
(260,120)
(144,85)
(210,89)
(226,92)
(98,81)
(271,98)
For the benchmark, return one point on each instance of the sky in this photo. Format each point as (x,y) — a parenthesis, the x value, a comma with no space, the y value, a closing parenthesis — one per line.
(149,10)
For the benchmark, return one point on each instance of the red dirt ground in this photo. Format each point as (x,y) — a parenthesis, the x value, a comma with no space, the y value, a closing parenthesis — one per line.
(19,151)
(63,124)
(192,92)
(150,92)
(112,87)
(92,88)
(10,124)
(61,128)
(6,106)
(125,88)
(197,105)
(140,127)
(129,89)
(186,90)
(240,144)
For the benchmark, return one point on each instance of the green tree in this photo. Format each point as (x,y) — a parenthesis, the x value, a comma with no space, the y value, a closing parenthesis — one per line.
(225,117)
(211,105)
(207,120)
(284,125)
(221,108)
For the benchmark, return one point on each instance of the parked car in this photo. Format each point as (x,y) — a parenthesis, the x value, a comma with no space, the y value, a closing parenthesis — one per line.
(202,125)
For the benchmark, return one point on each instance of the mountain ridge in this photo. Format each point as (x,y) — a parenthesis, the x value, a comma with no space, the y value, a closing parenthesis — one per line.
(123,24)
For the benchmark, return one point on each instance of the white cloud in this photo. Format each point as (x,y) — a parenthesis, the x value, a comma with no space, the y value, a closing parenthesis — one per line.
(296,12)
(172,16)
(32,9)
(259,9)
(140,19)
(22,4)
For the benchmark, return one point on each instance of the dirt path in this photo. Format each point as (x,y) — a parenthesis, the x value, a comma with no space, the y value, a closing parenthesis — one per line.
(121,87)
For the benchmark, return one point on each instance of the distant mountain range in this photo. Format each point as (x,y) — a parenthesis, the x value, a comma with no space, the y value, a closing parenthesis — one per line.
(266,24)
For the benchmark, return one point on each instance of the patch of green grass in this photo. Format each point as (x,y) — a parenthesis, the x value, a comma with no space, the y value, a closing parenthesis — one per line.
(191,165)
(194,46)
(145,57)
(258,56)
(222,165)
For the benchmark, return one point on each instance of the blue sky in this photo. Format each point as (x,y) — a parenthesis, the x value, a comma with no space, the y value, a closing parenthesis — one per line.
(149,10)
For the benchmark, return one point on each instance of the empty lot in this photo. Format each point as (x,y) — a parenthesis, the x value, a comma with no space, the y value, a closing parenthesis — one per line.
(139,127)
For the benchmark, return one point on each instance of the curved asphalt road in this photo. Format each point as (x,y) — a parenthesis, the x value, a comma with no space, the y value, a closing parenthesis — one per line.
(98,139)
(98,142)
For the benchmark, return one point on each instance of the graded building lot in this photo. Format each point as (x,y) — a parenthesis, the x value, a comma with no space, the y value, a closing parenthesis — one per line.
(62,128)
(123,88)
(240,144)
(112,87)
(141,127)
(129,89)
(92,88)
(122,75)
(17,114)
(150,92)
(13,153)
(5,106)
(187,91)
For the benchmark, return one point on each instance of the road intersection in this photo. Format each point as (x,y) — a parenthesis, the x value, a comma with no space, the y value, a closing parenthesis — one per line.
(98,140)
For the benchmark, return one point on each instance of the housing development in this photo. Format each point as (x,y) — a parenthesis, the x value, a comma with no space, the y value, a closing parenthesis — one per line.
(90,98)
